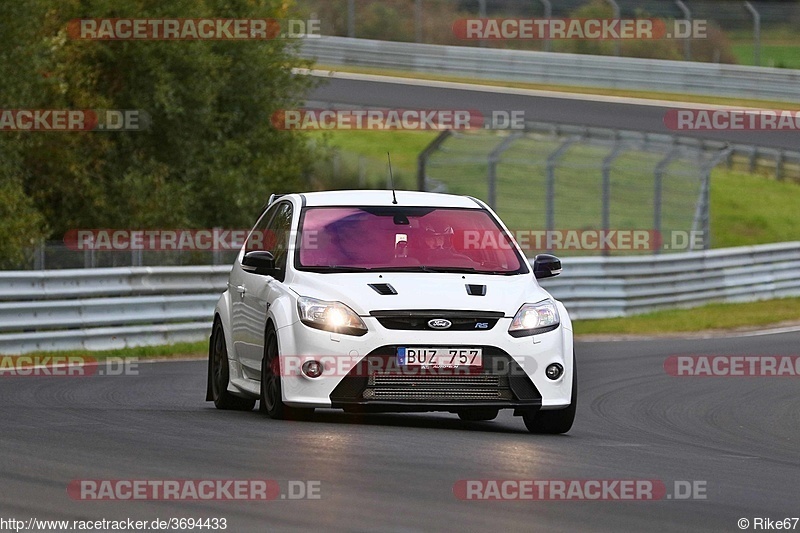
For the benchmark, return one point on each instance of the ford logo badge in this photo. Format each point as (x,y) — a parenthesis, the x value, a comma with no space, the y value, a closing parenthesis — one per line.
(439,323)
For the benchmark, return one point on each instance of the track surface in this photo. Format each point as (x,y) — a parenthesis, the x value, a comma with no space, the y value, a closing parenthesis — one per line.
(536,108)
(396,472)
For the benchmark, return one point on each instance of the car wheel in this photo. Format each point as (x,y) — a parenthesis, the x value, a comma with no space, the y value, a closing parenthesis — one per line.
(220,375)
(271,396)
(478,415)
(556,421)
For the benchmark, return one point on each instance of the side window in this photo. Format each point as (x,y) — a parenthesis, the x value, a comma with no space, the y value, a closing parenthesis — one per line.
(279,229)
(257,240)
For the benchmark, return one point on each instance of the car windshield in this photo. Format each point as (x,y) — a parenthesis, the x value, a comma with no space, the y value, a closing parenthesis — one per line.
(347,239)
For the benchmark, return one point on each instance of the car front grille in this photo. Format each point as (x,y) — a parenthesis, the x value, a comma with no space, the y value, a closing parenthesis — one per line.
(377,378)
(393,386)
(418,319)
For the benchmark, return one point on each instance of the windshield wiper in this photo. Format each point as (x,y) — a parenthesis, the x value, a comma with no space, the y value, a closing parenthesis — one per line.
(464,270)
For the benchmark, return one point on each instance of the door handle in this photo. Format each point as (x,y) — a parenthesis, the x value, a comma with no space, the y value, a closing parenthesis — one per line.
(241,289)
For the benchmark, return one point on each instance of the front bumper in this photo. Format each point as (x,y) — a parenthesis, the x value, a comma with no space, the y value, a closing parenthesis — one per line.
(512,375)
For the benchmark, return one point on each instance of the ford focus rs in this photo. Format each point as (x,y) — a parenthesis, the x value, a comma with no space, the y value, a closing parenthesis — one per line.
(370,301)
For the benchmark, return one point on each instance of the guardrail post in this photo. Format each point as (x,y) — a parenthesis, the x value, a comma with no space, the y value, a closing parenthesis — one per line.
(687,43)
(550,195)
(753,157)
(606,196)
(615,7)
(779,166)
(548,14)
(494,158)
(756,33)
(422,158)
(351,18)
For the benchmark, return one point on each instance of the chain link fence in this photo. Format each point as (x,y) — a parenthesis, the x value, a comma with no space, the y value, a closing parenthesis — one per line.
(571,181)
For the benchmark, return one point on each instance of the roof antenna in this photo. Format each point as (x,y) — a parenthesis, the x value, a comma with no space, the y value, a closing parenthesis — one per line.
(391,177)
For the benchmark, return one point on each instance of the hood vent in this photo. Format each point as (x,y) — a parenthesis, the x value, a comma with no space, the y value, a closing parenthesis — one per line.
(383,288)
(476,290)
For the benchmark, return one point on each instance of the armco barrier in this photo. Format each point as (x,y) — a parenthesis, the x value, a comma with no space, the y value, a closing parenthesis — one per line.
(114,308)
(108,308)
(560,69)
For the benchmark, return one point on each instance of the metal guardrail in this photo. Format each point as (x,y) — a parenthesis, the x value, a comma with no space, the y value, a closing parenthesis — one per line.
(101,309)
(593,287)
(114,308)
(560,68)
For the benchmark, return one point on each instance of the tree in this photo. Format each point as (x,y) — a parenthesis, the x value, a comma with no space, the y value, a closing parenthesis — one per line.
(210,156)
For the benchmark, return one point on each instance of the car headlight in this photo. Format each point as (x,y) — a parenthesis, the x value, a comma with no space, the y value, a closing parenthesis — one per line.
(330,316)
(532,319)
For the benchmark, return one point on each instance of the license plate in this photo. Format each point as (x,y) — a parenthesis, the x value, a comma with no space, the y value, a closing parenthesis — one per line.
(440,356)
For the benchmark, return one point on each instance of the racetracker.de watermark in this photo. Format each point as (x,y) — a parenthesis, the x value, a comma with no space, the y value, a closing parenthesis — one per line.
(166,240)
(397,119)
(578,28)
(74,120)
(66,366)
(732,120)
(193,489)
(533,240)
(733,366)
(191,29)
(578,490)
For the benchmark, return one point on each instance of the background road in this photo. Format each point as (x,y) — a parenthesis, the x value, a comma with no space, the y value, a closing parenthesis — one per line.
(537,108)
(396,472)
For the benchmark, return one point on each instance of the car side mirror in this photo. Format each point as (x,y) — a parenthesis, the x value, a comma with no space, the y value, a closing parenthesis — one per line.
(259,262)
(546,266)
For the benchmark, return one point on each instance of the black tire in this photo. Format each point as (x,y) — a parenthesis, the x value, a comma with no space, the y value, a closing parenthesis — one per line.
(219,375)
(478,415)
(557,421)
(271,397)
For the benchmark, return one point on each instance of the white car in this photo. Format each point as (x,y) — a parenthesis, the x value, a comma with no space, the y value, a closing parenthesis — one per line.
(375,301)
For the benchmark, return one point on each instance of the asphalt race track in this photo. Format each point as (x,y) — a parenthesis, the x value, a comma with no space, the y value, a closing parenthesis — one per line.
(739,437)
(586,111)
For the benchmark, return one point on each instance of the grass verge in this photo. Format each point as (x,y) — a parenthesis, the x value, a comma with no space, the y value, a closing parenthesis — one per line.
(708,317)
(181,349)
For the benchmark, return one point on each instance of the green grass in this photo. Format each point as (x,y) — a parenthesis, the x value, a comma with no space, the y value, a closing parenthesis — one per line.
(772,55)
(371,147)
(747,209)
(182,349)
(712,316)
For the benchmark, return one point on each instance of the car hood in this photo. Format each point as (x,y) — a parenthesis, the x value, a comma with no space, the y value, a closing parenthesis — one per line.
(420,291)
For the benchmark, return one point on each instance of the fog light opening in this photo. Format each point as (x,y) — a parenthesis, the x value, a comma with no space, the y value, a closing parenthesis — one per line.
(312,369)
(554,371)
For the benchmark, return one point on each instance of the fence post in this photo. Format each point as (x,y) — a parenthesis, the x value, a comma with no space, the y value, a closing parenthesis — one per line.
(606,196)
(482,14)
(658,180)
(687,43)
(494,158)
(422,158)
(756,33)
(550,195)
(615,7)
(704,204)
(38,257)
(548,14)
(351,18)
(418,21)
